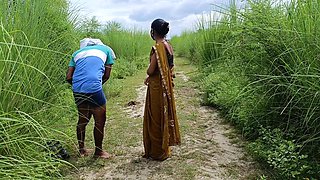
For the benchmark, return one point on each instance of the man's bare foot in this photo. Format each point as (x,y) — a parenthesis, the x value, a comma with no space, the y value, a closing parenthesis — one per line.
(102,154)
(85,152)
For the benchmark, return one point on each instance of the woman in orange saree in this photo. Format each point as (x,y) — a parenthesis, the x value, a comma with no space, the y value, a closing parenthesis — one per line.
(160,125)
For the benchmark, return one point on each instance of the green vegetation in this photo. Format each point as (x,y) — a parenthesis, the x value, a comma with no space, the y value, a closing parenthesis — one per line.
(34,41)
(37,39)
(260,65)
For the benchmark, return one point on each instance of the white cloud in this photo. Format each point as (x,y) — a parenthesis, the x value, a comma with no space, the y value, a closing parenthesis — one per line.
(170,10)
(181,14)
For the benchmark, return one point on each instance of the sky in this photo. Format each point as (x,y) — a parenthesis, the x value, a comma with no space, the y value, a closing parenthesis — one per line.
(182,15)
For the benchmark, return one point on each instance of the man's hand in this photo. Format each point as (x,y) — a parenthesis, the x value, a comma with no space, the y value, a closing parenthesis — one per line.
(106,74)
(70,74)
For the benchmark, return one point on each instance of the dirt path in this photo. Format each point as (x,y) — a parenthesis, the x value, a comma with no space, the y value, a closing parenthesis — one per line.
(210,148)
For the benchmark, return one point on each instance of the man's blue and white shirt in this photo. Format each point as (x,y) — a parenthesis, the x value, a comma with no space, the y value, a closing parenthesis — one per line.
(89,63)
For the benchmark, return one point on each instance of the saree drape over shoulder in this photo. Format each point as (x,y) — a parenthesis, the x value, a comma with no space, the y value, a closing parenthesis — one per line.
(160,125)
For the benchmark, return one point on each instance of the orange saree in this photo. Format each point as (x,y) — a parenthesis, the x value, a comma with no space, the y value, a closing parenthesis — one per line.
(160,125)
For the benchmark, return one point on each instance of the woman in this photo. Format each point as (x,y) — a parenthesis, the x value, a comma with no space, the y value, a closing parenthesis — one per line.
(160,125)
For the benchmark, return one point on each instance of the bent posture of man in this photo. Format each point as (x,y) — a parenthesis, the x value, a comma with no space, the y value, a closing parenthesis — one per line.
(89,68)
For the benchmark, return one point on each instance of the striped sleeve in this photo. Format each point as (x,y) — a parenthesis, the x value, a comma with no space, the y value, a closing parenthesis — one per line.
(72,63)
(110,56)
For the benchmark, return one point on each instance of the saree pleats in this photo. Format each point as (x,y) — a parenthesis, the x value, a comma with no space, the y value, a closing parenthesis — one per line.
(160,126)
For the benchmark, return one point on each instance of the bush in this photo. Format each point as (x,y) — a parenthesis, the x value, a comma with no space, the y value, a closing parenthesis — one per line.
(260,65)
(281,154)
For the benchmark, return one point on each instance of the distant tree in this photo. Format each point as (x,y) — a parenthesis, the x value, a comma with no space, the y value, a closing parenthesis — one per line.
(112,26)
(91,27)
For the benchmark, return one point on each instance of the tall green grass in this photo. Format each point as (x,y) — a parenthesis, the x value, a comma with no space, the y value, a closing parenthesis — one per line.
(128,43)
(23,152)
(36,38)
(261,67)
(35,41)
(132,48)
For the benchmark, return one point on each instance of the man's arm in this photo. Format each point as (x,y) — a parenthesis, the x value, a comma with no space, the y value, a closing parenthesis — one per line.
(106,74)
(70,74)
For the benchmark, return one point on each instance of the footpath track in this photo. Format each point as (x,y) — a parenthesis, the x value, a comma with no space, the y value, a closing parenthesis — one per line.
(210,148)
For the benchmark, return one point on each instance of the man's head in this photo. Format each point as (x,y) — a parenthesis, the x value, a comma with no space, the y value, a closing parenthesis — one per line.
(90,42)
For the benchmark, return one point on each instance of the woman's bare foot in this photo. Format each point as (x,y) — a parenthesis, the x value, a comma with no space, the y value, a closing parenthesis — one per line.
(102,154)
(85,152)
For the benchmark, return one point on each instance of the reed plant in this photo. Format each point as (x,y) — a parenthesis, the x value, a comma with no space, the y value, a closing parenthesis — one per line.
(36,38)
(261,66)
(128,43)
(35,43)
(23,150)
(132,48)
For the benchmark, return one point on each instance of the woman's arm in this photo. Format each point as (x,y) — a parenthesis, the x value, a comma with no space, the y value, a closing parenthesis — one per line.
(153,64)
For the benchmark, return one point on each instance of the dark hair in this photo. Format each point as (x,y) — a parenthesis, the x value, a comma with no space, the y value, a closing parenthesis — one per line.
(160,26)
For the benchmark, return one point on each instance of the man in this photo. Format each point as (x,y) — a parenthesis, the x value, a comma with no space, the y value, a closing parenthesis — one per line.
(89,69)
